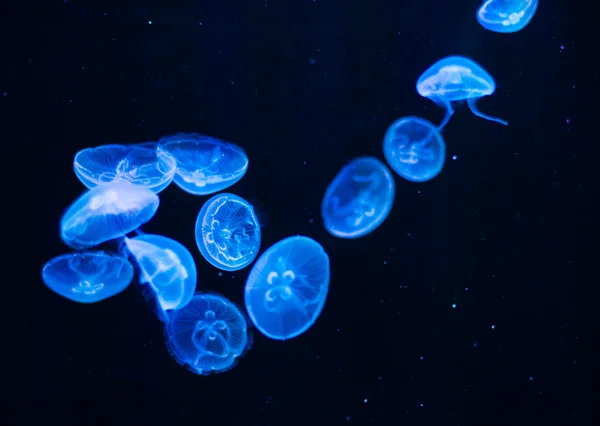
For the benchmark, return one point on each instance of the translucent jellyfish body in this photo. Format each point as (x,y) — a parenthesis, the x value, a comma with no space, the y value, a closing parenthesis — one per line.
(87,277)
(207,335)
(506,16)
(287,287)
(205,165)
(358,199)
(228,232)
(414,148)
(167,267)
(456,78)
(141,164)
(107,212)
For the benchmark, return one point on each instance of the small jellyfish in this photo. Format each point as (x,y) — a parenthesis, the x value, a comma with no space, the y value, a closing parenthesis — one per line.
(228,232)
(414,148)
(205,165)
(87,277)
(287,287)
(358,199)
(140,164)
(207,335)
(167,267)
(456,78)
(107,212)
(506,16)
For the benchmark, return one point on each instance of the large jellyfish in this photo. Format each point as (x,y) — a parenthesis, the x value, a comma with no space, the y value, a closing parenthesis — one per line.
(456,78)
(107,212)
(140,164)
(228,232)
(205,165)
(358,199)
(414,148)
(506,16)
(287,287)
(207,335)
(87,277)
(167,267)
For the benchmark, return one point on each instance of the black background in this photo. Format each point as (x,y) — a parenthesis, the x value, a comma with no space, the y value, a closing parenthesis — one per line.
(388,349)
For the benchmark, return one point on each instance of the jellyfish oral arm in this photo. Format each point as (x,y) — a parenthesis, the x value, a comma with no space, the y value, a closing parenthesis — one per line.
(472,105)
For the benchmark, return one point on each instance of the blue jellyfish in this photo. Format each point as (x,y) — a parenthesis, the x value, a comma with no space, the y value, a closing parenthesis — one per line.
(205,165)
(506,16)
(414,148)
(141,164)
(87,277)
(207,335)
(107,212)
(228,232)
(167,267)
(287,287)
(358,199)
(456,78)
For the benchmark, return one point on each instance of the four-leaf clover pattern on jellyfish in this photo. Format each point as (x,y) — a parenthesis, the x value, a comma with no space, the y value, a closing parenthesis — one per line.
(286,289)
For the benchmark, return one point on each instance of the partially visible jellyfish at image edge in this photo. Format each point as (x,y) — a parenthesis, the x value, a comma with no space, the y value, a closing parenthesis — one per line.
(167,267)
(207,335)
(227,232)
(506,16)
(205,165)
(287,287)
(359,198)
(139,164)
(415,149)
(87,277)
(456,78)
(107,212)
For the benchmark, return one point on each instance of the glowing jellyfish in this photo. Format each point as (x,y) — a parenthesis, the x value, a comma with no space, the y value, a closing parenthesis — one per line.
(107,212)
(457,78)
(287,287)
(205,165)
(506,16)
(207,335)
(228,232)
(141,164)
(414,148)
(87,277)
(167,267)
(358,199)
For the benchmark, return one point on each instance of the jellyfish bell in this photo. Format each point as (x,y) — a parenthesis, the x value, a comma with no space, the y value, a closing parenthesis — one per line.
(506,16)
(140,164)
(453,79)
(208,335)
(414,149)
(87,277)
(205,164)
(167,270)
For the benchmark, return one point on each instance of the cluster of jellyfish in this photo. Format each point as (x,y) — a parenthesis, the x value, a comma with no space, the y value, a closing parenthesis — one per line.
(285,291)
(287,286)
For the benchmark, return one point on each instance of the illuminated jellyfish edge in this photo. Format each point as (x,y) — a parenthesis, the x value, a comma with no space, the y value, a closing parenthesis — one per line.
(380,219)
(116,290)
(171,347)
(204,250)
(261,263)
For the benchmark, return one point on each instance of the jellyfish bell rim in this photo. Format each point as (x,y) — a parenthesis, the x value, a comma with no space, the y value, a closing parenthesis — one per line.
(91,253)
(175,350)
(198,226)
(498,25)
(162,243)
(251,286)
(455,60)
(78,204)
(359,233)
